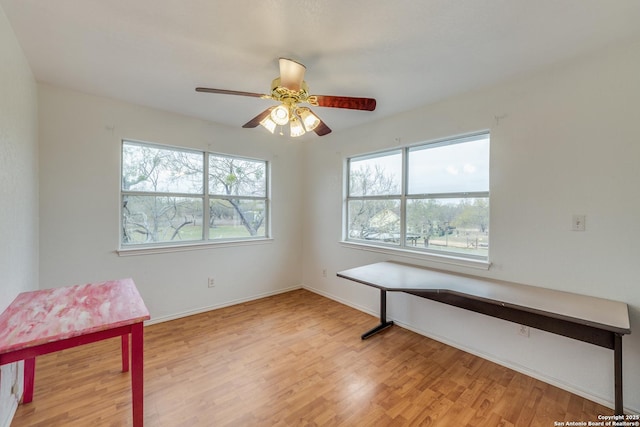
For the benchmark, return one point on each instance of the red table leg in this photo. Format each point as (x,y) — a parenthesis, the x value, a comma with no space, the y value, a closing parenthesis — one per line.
(137,378)
(125,352)
(29,379)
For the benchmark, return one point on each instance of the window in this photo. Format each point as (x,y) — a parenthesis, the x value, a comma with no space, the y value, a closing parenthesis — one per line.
(432,197)
(164,201)
(237,197)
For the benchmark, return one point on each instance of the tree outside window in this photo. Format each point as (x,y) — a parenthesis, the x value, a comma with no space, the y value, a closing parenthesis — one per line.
(431,197)
(164,198)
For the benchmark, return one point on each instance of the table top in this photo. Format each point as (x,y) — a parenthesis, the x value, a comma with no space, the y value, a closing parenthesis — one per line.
(393,276)
(49,315)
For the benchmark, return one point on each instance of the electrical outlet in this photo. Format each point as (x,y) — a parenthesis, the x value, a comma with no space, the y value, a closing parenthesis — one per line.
(324,272)
(523,331)
(211,283)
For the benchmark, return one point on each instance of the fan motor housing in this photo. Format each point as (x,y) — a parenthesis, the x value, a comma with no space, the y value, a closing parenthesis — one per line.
(288,96)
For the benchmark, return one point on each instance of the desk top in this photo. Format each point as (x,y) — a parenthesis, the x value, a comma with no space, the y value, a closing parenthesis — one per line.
(48,315)
(391,276)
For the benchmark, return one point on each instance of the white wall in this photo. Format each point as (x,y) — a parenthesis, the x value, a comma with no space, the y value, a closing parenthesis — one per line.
(80,137)
(18,188)
(564,141)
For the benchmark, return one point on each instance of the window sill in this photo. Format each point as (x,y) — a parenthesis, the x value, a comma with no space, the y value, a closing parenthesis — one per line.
(148,250)
(423,256)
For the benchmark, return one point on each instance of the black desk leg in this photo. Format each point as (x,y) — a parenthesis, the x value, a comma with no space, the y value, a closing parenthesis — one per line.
(383,317)
(617,363)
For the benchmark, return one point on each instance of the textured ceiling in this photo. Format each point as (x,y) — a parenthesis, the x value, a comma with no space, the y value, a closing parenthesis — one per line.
(404,53)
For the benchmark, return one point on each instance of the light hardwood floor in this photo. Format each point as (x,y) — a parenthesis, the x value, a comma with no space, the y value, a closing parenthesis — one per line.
(294,359)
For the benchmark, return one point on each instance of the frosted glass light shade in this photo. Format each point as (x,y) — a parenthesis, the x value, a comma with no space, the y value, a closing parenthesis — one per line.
(268,124)
(310,120)
(280,115)
(296,127)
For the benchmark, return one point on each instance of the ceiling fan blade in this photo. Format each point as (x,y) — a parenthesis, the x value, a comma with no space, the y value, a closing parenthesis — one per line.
(368,104)
(257,119)
(322,129)
(291,74)
(230,92)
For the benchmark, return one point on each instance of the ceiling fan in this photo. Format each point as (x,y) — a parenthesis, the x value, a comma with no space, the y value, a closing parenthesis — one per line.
(290,90)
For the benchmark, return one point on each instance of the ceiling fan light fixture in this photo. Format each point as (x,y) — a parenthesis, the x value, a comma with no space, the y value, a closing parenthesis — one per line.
(268,124)
(289,90)
(310,120)
(280,115)
(297,129)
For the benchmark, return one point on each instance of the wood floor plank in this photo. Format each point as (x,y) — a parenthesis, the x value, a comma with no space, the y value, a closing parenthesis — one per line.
(294,359)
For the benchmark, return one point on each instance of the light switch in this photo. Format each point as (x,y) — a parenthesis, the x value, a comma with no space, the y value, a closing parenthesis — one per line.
(578,223)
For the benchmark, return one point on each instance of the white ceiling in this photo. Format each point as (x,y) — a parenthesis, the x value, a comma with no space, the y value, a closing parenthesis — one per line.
(404,53)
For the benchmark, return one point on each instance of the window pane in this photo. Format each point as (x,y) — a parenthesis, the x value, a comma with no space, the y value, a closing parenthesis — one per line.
(376,175)
(150,219)
(237,177)
(156,169)
(377,220)
(452,225)
(232,218)
(449,167)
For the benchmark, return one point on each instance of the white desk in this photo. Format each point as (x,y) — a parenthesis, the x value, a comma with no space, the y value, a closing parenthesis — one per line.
(597,321)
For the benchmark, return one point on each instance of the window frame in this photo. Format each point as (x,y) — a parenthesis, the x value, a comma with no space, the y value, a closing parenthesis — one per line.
(204,196)
(404,197)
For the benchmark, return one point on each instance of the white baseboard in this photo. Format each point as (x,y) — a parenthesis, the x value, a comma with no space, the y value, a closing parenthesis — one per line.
(11,381)
(10,414)
(490,357)
(199,310)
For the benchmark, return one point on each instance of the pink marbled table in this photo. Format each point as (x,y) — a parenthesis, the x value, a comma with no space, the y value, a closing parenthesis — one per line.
(49,320)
